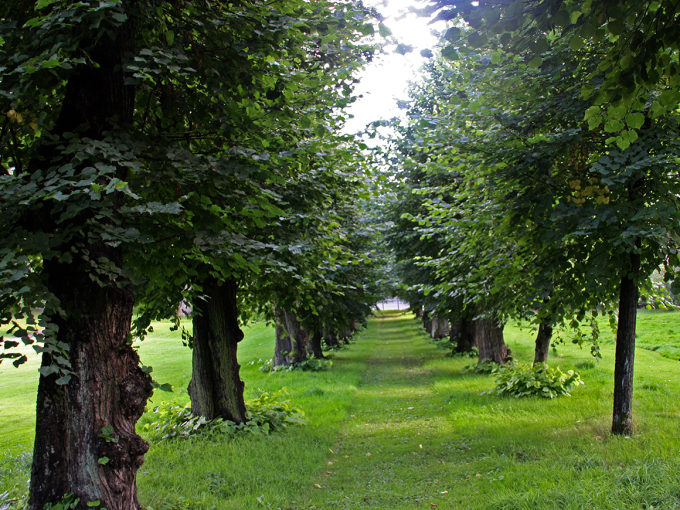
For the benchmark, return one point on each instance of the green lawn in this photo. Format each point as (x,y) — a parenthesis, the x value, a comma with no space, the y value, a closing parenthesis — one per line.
(394,424)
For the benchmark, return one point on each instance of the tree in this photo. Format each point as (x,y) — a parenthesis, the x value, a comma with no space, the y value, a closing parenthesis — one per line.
(559,215)
(108,133)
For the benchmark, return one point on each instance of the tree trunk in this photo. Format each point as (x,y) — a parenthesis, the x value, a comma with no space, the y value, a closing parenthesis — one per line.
(216,389)
(346,334)
(462,332)
(542,343)
(434,327)
(622,421)
(443,328)
(291,340)
(315,344)
(427,322)
(108,388)
(331,339)
(489,339)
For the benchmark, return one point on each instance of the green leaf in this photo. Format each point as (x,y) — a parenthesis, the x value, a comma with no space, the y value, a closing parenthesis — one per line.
(103,461)
(93,504)
(576,43)
(41,4)
(450,53)
(452,34)
(635,120)
(616,26)
(383,30)
(561,18)
(170,37)
(535,62)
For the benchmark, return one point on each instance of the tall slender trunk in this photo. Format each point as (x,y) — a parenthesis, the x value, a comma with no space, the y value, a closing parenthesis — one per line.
(622,420)
(434,327)
(315,344)
(542,343)
(108,387)
(216,389)
(488,336)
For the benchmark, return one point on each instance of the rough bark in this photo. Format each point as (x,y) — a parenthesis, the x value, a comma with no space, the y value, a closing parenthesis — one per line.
(542,343)
(108,386)
(489,339)
(622,420)
(462,332)
(315,344)
(291,340)
(216,389)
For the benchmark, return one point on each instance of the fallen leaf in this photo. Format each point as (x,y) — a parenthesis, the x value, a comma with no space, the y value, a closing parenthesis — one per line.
(420,445)
(478,475)
(328,473)
(317,486)
(368,455)
(444,492)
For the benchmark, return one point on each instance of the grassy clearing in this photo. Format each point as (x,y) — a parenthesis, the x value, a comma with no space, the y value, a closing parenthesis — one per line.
(396,425)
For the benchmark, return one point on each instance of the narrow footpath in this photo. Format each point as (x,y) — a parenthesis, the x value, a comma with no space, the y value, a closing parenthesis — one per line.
(392,452)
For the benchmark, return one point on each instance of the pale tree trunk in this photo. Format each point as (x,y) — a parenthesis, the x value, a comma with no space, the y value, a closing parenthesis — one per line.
(216,388)
(542,343)
(434,327)
(622,420)
(108,387)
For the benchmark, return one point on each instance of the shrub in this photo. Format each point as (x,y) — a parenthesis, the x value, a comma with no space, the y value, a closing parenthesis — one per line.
(264,414)
(486,367)
(309,365)
(522,380)
(473,353)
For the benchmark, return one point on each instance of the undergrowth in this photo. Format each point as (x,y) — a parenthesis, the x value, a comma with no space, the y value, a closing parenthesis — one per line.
(264,414)
(522,380)
(308,365)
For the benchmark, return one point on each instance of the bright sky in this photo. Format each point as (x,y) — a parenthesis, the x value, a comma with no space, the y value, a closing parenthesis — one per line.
(386,79)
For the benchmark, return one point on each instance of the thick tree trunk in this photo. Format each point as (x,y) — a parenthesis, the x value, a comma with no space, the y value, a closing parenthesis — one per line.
(291,340)
(489,339)
(108,388)
(622,421)
(315,344)
(462,332)
(216,389)
(542,343)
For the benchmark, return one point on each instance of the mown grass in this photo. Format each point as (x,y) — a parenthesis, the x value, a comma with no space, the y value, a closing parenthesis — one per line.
(394,424)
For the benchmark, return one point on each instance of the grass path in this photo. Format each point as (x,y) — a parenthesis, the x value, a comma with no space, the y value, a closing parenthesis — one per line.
(388,454)
(396,425)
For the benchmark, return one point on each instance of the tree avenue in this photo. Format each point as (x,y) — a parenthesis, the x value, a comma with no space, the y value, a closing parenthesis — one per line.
(145,148)
(547,212)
